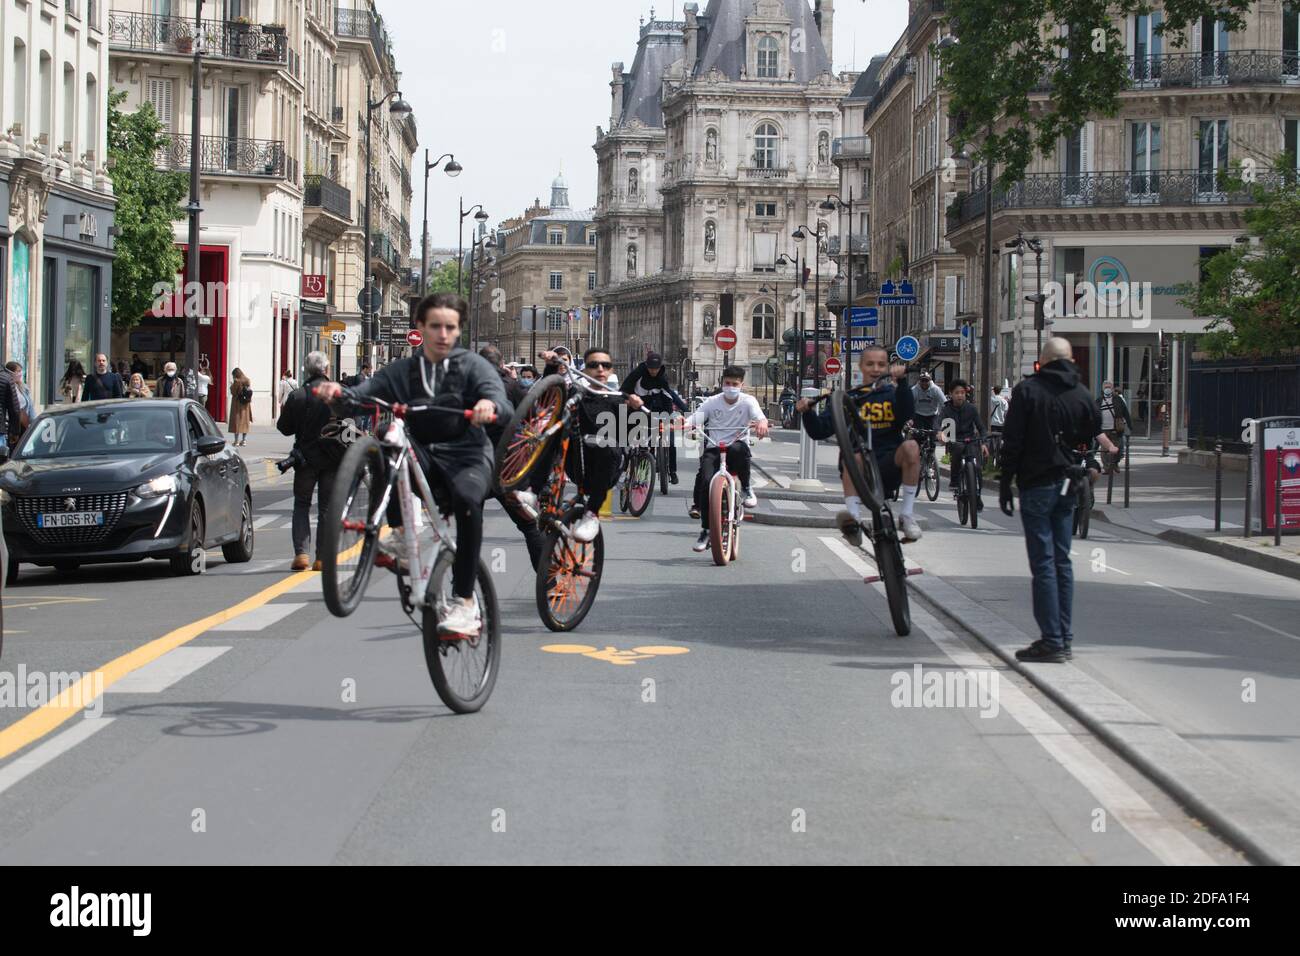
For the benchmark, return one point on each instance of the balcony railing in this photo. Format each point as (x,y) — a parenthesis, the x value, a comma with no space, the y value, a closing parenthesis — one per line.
(361,25)
(863,283)
(1170,71)
(1111,189)
(226,155)
(851,147)
(927,9)
(326,194)
(900,70)
(218,38)
(837,245)
(758,172)
(382,249)
(406,181)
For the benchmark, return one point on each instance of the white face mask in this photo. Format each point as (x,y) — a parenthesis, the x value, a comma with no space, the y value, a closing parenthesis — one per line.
(731,392)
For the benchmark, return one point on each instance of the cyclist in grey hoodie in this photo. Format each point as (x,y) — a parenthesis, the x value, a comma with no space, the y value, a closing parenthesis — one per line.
(928,399)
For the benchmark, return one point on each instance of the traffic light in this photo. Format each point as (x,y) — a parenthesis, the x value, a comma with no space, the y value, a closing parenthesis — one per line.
(1040,313)
(1036,366)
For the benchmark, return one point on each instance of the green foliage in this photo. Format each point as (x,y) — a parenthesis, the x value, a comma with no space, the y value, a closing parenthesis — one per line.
(1253,289)
(148,200)
(442,279)
(1005,50)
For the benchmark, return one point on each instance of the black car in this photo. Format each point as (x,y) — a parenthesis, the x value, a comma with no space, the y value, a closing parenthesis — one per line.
(124,480)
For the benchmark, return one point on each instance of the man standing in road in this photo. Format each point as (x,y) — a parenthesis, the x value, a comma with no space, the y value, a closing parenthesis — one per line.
(927,399)
(102,383)
(318,450)
(1050,413)
(1115,420)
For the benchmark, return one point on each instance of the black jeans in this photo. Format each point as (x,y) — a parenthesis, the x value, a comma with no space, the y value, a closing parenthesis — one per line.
(710,461)
(461,487)
(307,479)
(594,470)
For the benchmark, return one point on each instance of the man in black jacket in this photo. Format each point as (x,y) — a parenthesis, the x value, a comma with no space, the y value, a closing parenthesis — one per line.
(455,458)
(102,383)
(305,417)
(1050,414)
(649,382)
(967,429)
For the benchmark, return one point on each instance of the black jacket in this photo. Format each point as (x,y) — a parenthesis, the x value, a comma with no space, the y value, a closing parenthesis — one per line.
(654,390)
(303,416)
(1049,409)
(11,407)
(108,385)
(965,419)
(469,377)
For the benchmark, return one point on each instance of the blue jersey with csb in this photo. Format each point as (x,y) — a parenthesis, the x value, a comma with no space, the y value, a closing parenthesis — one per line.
(884,409)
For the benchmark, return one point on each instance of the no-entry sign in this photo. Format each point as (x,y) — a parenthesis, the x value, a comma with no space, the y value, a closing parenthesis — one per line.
(414,339)
(725,339)
(833,366)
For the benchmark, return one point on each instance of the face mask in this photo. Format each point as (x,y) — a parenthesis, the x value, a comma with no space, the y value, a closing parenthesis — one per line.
(731,392)
(527,380)
(1107,391)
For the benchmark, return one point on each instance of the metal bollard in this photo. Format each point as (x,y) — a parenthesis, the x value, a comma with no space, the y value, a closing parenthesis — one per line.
(1110,483)
(807,480)
(1277,502)
(1128,467)
(1250,454)
(1218,486)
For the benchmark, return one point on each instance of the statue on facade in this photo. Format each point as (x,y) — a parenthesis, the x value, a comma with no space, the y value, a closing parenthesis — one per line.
(710,238)
(711,146)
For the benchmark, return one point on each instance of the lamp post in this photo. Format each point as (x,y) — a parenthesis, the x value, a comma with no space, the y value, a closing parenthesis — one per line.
(452,169)
(532,355)
(193,302)
(834,203)
(800,234)
(401,109)
(480,216)
(1039,299)
(477,256)
(783,259)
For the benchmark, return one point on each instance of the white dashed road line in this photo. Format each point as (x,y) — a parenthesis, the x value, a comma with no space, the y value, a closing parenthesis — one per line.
(157,676)
(1267,627)
(259,618)
(1190,597)
(37,758)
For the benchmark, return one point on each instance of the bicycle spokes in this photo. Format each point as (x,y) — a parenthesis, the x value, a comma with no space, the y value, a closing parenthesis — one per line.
(569,576)
(529,437)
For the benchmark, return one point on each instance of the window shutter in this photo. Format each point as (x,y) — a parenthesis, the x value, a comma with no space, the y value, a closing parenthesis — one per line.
(244,124)
(1085,148)
(159,95)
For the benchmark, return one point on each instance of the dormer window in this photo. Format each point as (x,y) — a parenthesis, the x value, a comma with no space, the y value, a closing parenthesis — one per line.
(555,237)
(769,56)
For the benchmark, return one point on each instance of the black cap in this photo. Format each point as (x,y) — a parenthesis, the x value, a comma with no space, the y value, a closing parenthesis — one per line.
(654,360)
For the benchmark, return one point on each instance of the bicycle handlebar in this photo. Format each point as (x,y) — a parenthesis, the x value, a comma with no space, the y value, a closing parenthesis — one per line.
(399,409)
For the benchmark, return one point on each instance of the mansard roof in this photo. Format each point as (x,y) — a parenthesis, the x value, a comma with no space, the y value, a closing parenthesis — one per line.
(661,44)
(722,39)
(869,82)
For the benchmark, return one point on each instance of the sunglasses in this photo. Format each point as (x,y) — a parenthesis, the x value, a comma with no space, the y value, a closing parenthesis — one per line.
(600,364)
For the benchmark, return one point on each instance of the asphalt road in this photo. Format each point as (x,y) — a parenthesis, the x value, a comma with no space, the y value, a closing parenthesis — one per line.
(772,733)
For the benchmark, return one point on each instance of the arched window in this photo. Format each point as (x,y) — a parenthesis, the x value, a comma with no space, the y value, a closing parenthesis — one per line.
(765,138)
(19,86)
(768,58)
(764,321)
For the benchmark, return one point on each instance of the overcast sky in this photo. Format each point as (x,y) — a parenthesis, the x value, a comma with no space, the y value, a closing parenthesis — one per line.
(516,89)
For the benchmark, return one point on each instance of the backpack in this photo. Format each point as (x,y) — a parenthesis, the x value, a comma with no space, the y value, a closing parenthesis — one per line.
(437,427)
(246,394)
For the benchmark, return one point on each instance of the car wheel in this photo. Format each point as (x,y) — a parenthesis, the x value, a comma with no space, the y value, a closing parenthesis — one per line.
(241,549)
(194,560)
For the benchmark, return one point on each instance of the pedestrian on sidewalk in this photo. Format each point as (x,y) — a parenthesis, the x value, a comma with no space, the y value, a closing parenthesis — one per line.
(73,382)
(241,407)
(1115,421)
(103,382)
(17,429)
(12,415)
(318,448)
(138,388)
(170,385)
(286,387)
(1050,413)
(202,383)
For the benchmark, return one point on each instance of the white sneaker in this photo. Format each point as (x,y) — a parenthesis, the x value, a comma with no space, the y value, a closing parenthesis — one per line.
(586,528)
(751,499)
(911,530)
(394,545)
(527,502)
(702,542)
(457,617)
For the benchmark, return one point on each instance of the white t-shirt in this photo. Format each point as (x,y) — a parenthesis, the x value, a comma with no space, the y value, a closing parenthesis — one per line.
(723,421)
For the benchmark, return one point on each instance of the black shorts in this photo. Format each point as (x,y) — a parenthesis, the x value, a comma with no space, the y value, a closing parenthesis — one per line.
(891,476)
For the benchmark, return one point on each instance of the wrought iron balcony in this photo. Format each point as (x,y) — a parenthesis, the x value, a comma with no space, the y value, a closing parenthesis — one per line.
(1171,71)
(226,156)
(150,33)
(837,292)
(359,24)
(383,250)
(1110,189)
(851,147)
(837,245)
(324,193)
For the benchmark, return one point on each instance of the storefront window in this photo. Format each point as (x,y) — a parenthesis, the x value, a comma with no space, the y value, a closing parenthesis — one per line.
(79,320)
(16,332)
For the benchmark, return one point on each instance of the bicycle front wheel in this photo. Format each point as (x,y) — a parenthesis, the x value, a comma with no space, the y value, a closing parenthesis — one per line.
(641,482)
(463,669)
(661,464)
(528,437)
(865,479)
(889,562)
(347,538)
(568,577)
(720,524)
(972,493)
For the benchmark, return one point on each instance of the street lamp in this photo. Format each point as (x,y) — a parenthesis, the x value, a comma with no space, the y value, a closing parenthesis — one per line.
(192,302)
(400,109)
(800,234)
(478,256)
(834,203)
(452,169)
(480,216)
(1039,299)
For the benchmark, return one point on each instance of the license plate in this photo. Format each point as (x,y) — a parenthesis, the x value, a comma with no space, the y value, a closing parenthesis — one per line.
(70,519)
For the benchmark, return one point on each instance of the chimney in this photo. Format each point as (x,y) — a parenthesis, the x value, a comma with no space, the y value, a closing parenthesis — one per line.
(692,34)
(616,95)
(825,16)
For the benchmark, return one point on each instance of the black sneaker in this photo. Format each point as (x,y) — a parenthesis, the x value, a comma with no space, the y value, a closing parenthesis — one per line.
(1040,652)
(672,479)
(850,528)
(979,504)
(1068,652)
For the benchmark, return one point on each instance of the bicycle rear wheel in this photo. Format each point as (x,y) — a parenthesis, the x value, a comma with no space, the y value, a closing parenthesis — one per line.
(463,669)
(641,482)
(568,577)
(525,441)
(720,527)
(346,542)
(1083,509)
(865,476)
(930,475)
(889,562)
(972,493)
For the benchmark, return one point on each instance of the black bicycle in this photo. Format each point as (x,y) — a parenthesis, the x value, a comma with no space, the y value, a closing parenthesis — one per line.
(859,463)
(970,481)
(1084,495)
(929,463)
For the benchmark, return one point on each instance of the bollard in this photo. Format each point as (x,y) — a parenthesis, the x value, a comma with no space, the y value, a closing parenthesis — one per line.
(1110,481)
(1277,502)
(807,480)
(1128,466)
(1218,486)
(1250,456)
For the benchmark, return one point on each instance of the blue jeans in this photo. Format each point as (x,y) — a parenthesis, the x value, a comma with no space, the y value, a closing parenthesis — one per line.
(1048,519)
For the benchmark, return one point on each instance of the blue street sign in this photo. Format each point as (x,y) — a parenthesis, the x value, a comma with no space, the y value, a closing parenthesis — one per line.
(965,331)
(896,300)
(864,316)
(858,344)
(907,348)
(901,294)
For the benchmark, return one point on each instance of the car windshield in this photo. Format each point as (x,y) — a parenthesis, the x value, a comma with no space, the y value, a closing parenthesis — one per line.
(109,430)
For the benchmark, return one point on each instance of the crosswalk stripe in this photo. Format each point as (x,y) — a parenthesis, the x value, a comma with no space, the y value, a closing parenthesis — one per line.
(157,676)
(259,618)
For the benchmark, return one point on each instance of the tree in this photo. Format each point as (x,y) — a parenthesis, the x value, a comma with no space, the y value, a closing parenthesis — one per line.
(442,279)
(1253,289)
(1006,50)
(148,200)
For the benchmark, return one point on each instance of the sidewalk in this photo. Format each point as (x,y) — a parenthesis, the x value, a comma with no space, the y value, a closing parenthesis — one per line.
(1176,503)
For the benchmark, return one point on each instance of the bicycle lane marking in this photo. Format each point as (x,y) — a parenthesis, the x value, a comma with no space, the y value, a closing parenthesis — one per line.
(50,716)
(1137,816)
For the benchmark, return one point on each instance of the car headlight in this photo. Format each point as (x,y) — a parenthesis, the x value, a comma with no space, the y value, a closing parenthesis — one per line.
(159,487)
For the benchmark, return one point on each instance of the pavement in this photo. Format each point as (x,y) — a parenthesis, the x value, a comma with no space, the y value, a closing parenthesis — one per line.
(763,712)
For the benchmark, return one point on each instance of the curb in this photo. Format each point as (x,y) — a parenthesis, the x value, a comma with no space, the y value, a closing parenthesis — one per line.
(1203,787)
(791,521)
